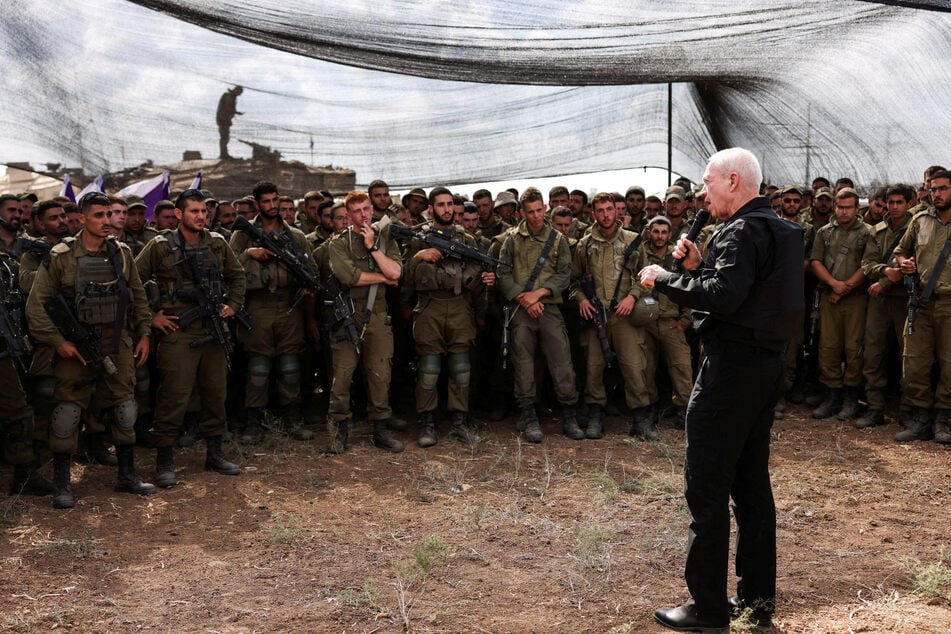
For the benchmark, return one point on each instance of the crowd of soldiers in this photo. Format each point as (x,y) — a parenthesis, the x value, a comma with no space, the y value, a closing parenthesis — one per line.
(248,316)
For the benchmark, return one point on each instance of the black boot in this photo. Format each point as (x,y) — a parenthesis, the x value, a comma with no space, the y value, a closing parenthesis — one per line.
(215,458)
(528,425)
(339,434)
(569,423)
(643,425)
(461,430)
(872,418)
(941,429)
(595,427)
(26,481)
(165,467)
(850,404)
(129,480)
(294,423)
(254,430)
(97,452)
(831,405)
(383,439)
(427,429)
(62,491)
(918,427)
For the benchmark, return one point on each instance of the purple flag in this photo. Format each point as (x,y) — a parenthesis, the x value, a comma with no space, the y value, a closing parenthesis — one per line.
(67,189)
(196,182)
(150,191)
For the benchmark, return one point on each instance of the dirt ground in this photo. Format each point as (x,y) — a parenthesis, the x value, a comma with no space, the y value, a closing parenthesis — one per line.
(567,536)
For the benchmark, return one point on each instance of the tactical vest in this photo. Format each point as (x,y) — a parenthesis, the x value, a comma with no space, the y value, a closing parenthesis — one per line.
(449,274)
(96,290)
(178,291)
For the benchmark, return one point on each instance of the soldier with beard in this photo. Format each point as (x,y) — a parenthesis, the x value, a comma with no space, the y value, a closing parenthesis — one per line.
(445,292)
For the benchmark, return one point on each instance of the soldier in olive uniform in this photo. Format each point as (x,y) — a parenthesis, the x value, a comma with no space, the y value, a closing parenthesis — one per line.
(97,276)
(920,252)
(11,224)
(888,300)
(16,417)
(49,221)
(605,253)
(665,336)
(277,338)
(445,292)
(837,264)
(539,271)
(364,262)
(189,353)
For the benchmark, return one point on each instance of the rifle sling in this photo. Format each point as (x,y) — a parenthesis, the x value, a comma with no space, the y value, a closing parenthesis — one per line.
(115,256)
(631,248)
(371,294)
(542,258)
(891,248)
(844,250)
(935,273)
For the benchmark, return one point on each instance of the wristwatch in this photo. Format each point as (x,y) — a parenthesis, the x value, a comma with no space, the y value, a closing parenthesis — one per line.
(374,248)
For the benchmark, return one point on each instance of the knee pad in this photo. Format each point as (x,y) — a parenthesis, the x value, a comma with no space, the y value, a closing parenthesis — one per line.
(288,366)
(428,371)
(142,380)
(259,368)
(459,368)
(65,420)
(43,387)
(125,414)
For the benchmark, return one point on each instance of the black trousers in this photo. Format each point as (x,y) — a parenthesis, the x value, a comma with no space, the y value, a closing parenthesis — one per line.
(728,427)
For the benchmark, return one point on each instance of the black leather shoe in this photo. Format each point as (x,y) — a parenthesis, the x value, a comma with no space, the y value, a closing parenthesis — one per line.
(759,618)
(685,619)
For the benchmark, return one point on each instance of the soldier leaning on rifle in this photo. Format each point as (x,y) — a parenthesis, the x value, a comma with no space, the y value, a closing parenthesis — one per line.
(887,305)
(924,250)
(277,338)
(837,264)
(539,270)
(605,256)
(97,277)
(664,337)
(364,262)
(441,296)
(174,259)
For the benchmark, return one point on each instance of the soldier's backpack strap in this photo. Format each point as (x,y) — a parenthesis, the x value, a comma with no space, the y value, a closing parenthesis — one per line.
(935,273)
(891,248)
(542,258)
(115,255)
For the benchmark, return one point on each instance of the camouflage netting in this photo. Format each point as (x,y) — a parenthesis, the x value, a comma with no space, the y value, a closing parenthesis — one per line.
(487,90)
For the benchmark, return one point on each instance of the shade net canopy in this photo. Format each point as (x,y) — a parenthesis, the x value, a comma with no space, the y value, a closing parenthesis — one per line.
(419,92)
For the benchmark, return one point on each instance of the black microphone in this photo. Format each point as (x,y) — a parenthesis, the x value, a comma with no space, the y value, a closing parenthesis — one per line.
(699,221)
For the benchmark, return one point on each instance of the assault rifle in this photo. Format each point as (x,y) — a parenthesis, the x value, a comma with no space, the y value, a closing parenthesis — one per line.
(506,328)
(287,252)
(343,311)
(208,296)
(814,320)
(88,340)
(912,283)
(441,240)
(15,344)
(600,318)
(41,248)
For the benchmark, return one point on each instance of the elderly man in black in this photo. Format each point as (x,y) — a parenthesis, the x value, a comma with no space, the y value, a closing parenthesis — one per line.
(746,298)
